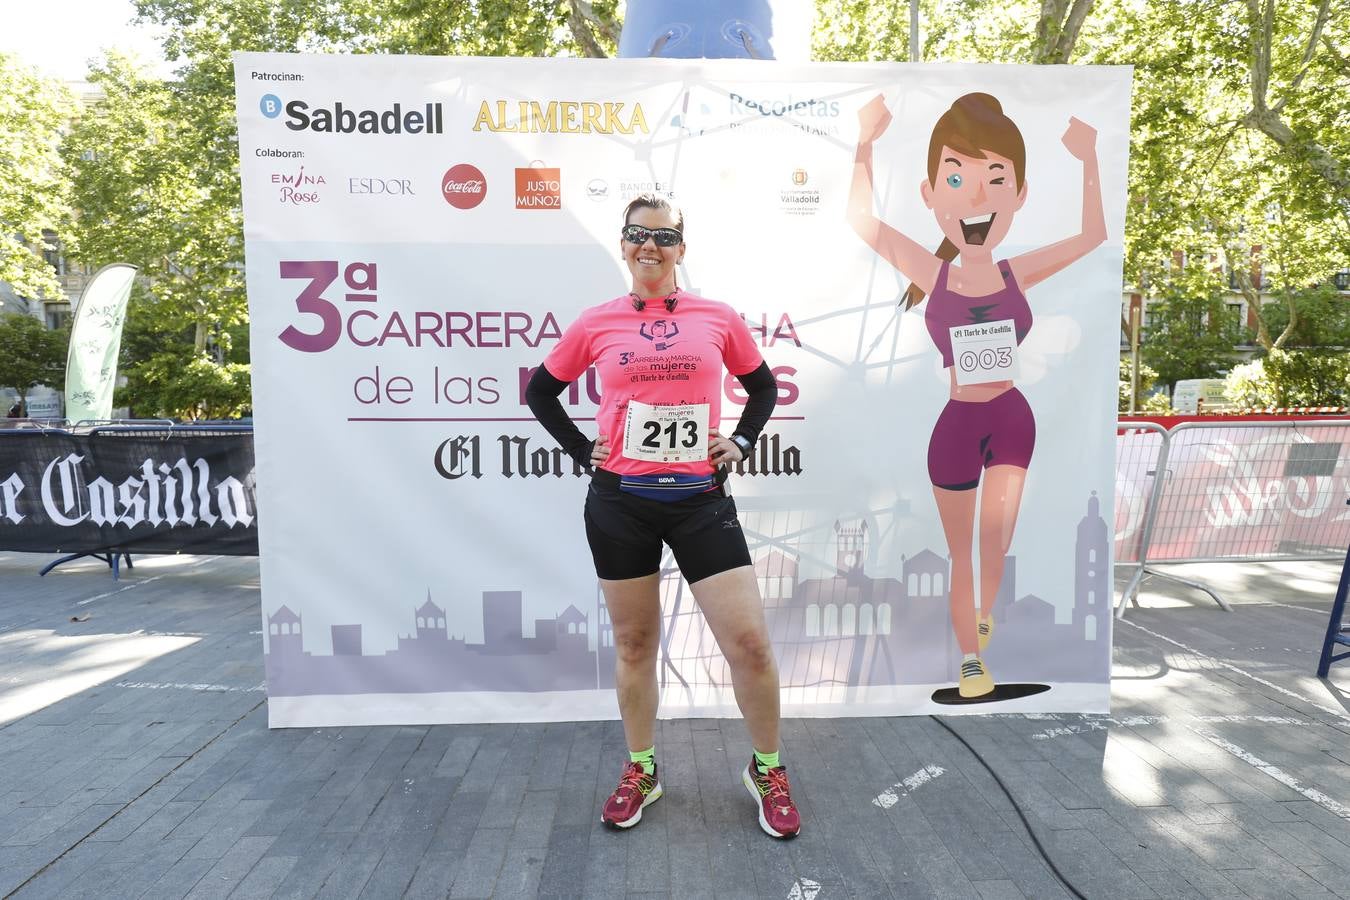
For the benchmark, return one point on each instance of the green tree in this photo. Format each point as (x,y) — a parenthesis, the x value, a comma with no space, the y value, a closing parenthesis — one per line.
(157,183)
(150,194)
(1190,333)
(502,27)
(1211,171)
(31,354)
(171,385)
(1013,31)
(1321,319)
(1286,49)
(204,30)
(1291,378)
(862,30)
(33,198)
(156,189)
(1148,379)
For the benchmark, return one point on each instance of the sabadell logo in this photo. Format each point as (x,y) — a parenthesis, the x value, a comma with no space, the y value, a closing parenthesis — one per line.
(463,186)
(344,119)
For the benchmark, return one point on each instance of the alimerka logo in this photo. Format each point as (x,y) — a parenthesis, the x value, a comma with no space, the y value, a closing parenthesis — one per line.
(342,119)
(561,117)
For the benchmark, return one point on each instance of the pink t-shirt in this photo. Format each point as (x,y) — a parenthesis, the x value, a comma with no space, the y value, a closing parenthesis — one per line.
(658,358)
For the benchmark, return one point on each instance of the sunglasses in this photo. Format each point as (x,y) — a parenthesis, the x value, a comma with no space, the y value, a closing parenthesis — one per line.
(664,237)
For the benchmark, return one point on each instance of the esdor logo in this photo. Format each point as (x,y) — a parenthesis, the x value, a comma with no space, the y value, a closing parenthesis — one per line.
(463,186)
(381,187)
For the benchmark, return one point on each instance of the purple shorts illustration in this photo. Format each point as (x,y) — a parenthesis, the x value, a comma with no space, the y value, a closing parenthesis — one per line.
(969,437)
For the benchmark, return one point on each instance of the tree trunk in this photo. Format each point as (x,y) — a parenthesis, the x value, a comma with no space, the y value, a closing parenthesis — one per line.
(1265,117)
(1336,56)
(583,22)
(1323,164)
(1253,298)
(1288,296)
(1047,29)
(1057,30)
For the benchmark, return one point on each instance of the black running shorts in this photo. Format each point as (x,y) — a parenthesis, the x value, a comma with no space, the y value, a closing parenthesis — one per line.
(625,533)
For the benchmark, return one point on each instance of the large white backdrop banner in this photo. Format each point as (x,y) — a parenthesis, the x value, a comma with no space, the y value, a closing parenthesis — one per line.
(419,231)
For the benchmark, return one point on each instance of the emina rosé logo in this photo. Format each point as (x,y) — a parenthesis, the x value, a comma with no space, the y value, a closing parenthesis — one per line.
(463,186)
(298,188)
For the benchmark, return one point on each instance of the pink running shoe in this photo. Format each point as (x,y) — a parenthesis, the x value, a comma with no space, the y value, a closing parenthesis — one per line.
(778,815)
(636,790)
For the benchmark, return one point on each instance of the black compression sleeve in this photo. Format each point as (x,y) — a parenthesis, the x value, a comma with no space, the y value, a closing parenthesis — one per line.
(541,395)
(763,390)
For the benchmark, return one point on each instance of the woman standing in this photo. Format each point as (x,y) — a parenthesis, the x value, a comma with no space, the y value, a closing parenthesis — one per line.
(976,182)
(659,467)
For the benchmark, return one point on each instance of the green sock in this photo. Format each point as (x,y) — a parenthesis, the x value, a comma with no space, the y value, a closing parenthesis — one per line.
(766,761)
(646,757)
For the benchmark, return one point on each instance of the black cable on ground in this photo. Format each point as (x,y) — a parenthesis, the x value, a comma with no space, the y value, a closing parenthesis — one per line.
(1016,808)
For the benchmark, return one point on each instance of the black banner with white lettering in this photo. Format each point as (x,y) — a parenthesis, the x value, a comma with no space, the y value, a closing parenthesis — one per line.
(139,491)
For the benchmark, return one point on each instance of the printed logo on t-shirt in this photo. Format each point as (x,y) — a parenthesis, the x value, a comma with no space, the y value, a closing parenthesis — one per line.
(980,314)
(661,333)
(648,368)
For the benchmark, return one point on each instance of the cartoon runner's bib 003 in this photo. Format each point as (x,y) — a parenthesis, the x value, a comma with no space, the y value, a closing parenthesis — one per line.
(985,352)
(666,433)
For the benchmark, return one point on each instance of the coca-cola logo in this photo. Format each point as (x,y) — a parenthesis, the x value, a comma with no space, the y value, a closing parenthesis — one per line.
(463,186)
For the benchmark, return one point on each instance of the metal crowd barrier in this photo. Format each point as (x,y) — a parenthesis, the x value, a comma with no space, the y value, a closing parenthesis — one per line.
(165,430)
(1232,491)
(1139,451)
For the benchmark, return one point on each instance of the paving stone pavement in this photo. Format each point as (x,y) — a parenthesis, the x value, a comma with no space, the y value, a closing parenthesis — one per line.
(135,761)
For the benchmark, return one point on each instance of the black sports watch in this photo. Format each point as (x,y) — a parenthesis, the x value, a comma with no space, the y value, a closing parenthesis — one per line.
(744,443)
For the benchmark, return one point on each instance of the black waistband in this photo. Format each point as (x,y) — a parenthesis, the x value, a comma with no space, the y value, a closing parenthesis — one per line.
(612,479)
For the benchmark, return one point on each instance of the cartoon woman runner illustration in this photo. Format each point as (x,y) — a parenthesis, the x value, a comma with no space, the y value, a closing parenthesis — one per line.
(661,335)
(977,315)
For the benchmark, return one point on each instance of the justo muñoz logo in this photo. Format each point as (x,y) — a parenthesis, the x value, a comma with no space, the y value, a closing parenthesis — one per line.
(463,186)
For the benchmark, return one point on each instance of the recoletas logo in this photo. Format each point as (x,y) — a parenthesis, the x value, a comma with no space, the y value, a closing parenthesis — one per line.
(790,106)
(463,186)
(341,118)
